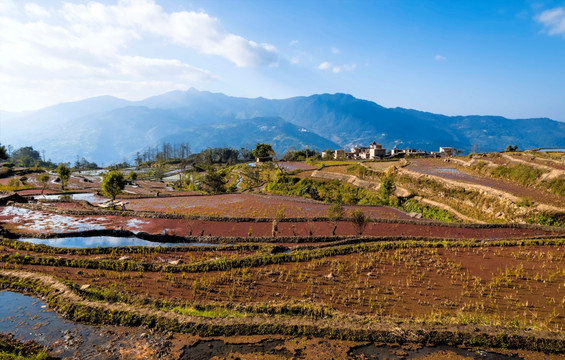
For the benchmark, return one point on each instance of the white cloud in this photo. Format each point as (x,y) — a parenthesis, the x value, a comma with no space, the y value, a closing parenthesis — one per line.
(81,50)
(440,58)
(294,42)
(295,60)
(36,11)
(335,51)
(336,69)
(195,30)
(553,21)
(7,7)
(163,69)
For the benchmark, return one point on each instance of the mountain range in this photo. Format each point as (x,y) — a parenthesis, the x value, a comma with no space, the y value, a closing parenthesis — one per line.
(107,129)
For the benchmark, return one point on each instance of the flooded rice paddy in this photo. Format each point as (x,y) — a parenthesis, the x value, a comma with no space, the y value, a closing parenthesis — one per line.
(90,197)
(103,241)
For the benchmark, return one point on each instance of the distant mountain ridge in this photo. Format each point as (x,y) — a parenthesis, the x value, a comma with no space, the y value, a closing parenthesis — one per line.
(107,129)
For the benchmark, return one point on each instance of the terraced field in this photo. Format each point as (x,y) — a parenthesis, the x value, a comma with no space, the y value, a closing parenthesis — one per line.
(281,277)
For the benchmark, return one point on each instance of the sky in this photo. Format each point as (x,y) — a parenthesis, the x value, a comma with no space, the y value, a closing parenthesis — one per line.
(450,57)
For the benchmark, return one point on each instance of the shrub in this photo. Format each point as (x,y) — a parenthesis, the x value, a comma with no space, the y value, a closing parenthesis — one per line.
(479,166)
(548,219)
(523,174)
(359,221)
(64,174)
(335,213)
(387,187)
(428,212)
(525,202)
(557,186)
(14,182)
(113,183)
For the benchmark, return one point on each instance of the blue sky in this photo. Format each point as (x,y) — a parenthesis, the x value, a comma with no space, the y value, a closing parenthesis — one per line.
(451,57)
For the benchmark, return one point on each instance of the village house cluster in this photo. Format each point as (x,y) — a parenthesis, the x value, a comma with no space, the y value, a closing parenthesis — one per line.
(377,151)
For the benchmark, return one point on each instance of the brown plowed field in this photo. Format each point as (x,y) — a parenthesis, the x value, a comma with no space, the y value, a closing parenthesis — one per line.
(487,285)
(450,171)
(252,205)
(537,160)
(30,221)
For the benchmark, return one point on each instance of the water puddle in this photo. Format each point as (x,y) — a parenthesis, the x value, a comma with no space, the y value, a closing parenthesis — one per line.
(38,221)
(30,319)
(208,349)
(103,241)
(450,170)
(375,352)
(90,197)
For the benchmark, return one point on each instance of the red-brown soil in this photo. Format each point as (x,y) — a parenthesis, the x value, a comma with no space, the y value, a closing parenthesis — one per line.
(42,222)
(487,285)
(252,205)
(450,171)
(537,160)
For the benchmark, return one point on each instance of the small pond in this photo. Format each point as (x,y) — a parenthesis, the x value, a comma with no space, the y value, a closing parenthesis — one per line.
(103,241)
(90,197)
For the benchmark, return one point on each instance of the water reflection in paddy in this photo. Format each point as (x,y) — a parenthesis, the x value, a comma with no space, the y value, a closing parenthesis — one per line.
(103,241)
(90,197)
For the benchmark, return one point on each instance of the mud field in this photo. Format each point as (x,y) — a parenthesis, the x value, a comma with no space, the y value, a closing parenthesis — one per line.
(253,205)
(25,221)
(451,171)
(520,286)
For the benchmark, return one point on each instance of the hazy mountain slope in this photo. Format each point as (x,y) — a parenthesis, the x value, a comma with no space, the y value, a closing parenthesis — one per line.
(106,129)
(347,120)
(109,136)
(29,127)
(354,121)
(281,134)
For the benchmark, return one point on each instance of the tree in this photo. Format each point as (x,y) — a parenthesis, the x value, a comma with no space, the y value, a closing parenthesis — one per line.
(335,213)
(262,150)
(359,221)
(113,183)
(214,181)
(251,176)
(44,179)
(26,156)
(293,155)
(387,187)
(132,176)
(64,174)
(3,153)
(511,148)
